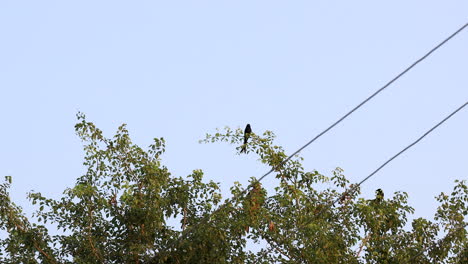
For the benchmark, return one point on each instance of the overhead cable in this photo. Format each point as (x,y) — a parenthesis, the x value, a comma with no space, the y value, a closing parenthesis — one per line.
(186,231)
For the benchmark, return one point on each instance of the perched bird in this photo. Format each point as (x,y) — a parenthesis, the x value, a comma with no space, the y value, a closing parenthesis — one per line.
(247,132)
(379,195)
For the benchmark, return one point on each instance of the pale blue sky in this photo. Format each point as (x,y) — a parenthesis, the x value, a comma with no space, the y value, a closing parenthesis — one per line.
(179,69)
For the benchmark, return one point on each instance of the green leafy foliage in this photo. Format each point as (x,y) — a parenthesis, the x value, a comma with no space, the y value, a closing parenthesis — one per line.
(128,208)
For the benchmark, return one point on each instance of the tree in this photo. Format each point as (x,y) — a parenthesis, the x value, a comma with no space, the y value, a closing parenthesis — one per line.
(123,210)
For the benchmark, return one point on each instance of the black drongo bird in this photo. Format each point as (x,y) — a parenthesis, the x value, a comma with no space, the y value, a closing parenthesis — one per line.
(379,195)
(247,132)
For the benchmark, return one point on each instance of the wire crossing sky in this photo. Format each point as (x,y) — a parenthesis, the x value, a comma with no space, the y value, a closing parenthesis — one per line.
(179,71)
(351,191)
(368,98)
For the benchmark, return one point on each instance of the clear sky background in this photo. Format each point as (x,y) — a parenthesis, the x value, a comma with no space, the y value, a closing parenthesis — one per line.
(180,69)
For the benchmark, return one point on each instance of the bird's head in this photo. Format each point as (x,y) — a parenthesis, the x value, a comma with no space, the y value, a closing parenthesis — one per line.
(379,193)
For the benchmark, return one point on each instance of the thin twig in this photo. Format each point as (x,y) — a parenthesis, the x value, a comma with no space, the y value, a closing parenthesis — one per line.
(363,243)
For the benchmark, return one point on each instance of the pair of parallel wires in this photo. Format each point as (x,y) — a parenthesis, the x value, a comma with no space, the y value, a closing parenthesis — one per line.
(353,189)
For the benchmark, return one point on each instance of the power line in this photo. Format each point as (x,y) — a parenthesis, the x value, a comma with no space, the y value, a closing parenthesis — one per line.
(367,99)
(353,189)
(329,128)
